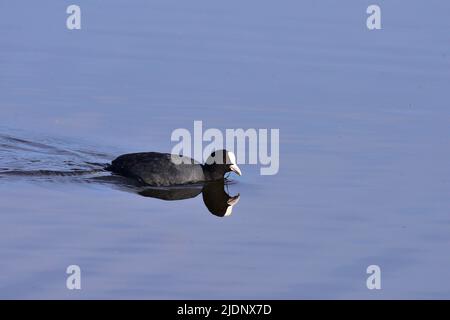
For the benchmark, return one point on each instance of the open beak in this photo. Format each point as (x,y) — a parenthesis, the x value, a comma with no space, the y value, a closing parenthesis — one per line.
(236,169)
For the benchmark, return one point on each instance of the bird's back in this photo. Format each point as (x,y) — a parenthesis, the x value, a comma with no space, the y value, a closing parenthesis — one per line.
(158,169)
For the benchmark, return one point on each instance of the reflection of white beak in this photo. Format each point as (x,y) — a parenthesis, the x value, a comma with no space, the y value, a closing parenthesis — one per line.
(231,202)
(236,169)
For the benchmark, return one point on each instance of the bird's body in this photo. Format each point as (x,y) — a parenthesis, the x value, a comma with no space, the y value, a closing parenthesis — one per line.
(158,169)
(164,169)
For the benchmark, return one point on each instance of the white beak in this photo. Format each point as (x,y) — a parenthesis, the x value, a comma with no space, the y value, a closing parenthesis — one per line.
(236,169)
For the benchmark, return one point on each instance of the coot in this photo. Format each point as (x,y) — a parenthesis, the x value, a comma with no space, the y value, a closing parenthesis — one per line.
(164,169)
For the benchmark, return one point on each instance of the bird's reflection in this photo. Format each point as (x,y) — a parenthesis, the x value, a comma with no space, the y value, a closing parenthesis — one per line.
(215,195)
(216,199)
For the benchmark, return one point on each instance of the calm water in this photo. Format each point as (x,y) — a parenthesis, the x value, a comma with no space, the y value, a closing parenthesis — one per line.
(364,148)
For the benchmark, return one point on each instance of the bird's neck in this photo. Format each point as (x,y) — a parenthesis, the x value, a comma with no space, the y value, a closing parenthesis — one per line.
(212,173)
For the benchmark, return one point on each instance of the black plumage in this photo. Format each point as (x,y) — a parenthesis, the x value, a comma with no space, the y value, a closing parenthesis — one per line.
(164,169)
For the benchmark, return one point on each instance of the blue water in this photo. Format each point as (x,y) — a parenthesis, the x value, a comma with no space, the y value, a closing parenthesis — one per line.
(364,148)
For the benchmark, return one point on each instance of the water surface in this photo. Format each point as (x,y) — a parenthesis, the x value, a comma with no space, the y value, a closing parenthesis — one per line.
(364,148)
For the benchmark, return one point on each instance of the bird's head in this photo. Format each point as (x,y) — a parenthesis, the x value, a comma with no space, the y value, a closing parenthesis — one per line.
(223,161)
